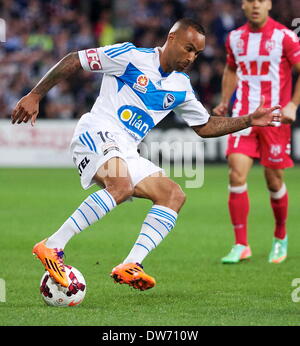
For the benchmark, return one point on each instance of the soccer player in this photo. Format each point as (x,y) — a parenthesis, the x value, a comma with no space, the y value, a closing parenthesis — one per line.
(140,87)
(260,56)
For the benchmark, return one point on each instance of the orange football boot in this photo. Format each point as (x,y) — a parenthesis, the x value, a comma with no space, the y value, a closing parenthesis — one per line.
(52,260)
(133,275)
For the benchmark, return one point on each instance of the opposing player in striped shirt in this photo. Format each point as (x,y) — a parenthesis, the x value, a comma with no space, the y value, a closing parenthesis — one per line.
(260,57)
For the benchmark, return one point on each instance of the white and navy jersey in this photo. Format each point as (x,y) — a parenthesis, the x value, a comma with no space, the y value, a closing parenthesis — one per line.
(135,93)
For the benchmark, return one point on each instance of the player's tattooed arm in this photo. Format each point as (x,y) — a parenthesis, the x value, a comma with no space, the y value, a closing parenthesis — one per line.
(220,126)
(62,70)
(28,107)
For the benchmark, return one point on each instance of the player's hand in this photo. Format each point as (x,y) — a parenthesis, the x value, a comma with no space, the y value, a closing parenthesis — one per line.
(289,113)
(221,109)
(265,116)
(27,108)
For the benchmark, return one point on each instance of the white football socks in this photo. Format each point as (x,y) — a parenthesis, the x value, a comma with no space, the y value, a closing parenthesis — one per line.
(93,208)
(280,193)
(158,224)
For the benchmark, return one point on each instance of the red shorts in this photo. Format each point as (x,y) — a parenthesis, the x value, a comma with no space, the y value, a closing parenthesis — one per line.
(272,145)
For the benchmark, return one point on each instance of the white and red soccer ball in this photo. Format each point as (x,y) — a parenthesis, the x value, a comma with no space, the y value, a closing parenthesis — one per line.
(56,295)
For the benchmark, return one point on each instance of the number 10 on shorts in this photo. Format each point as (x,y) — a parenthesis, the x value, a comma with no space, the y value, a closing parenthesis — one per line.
(2,291)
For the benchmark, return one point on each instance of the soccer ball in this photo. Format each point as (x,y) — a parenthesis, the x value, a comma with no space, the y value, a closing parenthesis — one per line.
(54,294)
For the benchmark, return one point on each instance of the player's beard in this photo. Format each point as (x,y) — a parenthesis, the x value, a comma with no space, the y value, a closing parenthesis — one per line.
(181,66)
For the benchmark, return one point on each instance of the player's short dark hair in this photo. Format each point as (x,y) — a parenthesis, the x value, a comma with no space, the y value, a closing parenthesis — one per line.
(189,22)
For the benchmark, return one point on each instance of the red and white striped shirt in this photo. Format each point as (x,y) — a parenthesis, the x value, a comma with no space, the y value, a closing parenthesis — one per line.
(264,59)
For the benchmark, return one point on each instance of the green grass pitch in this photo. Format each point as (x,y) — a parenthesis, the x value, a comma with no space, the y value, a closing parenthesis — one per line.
(193,287)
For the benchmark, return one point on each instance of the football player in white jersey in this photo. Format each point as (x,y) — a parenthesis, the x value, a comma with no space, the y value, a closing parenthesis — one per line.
(260,57)
(139,88)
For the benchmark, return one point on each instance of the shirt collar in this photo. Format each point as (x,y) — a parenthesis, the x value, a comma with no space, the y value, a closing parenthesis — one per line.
(161,71)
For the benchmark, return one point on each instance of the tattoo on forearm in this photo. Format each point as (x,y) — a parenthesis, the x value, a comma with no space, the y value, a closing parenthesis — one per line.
(220,126)
(62,70)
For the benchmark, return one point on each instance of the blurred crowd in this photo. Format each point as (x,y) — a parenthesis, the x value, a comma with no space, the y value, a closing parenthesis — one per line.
(41,32)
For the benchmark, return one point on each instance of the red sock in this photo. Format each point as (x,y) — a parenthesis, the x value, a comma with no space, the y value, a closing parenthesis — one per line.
(280,208)
(238,204)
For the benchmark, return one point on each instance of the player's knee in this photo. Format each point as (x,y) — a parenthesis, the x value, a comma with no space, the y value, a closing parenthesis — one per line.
(121,190)
(125,191)
(274,185)
(177,196)
(236,178)
(274,179)
(172,197)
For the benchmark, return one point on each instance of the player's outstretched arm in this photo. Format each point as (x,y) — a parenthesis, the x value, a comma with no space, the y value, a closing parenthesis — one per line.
(219,126)
(28,107)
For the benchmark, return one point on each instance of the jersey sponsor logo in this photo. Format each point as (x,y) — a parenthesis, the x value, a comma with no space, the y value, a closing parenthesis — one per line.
(169,99)
(137,122)
(275,149)
(141,83)
(93,59)
(82,165)
(142,80)
(275,160)
(270,45)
